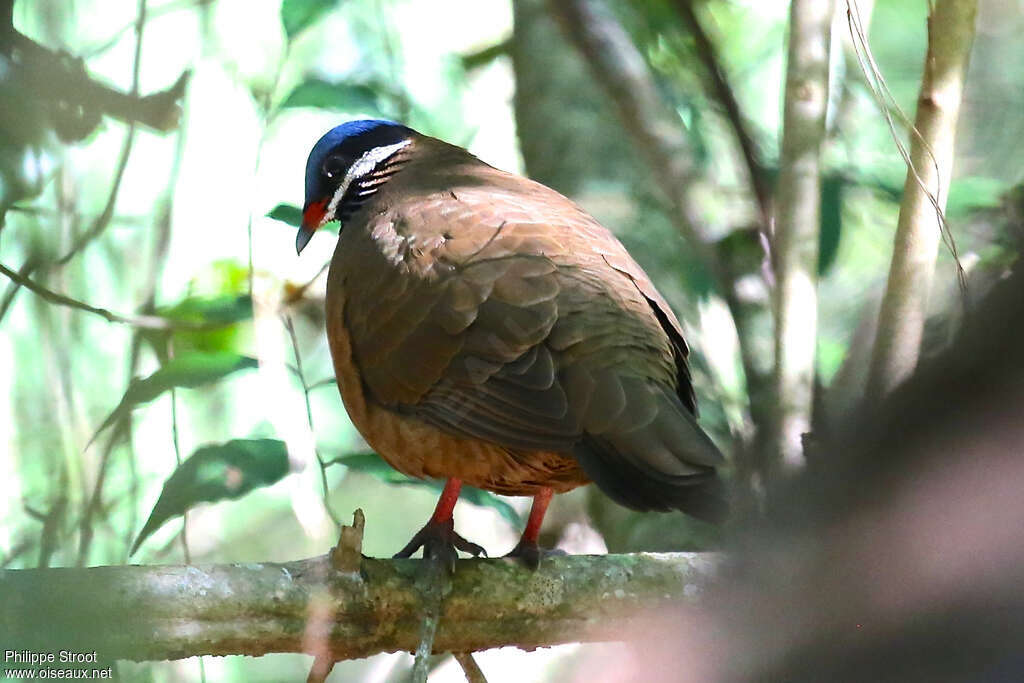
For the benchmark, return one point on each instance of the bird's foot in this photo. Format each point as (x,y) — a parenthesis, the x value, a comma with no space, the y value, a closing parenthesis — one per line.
(530,554)
(440,543)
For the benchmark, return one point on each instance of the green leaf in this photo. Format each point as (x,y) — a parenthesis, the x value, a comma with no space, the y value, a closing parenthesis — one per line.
(292,215)
(220,316)
(966,194)
(298,15)
(223,309)
(286,213)
(217,472)
(189,370)
(971,193)
(831,224)
(694,275)
(352,97)
(741,251)
(374,465)
(186,371)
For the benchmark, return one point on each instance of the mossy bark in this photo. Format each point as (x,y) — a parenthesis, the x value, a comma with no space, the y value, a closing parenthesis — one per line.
(171,612)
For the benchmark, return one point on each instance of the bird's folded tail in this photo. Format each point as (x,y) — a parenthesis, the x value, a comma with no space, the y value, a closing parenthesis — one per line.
(701,495)
(653,455)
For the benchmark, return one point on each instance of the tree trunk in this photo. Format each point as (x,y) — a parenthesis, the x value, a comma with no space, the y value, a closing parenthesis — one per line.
(798,218)
(905,304)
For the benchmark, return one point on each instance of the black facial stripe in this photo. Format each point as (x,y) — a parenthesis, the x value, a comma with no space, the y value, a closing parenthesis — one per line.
(365,186)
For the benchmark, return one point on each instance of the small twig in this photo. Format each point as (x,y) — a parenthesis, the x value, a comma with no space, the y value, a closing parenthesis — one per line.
(103,220)
(347,556)
(296,292)
(177,459)
(52,521)
(470,667)
(159,254)
(155,12)
(723,92)
(435,583)
(326,382)
(26,269)
(133,494)
(287,320)
(484,56)
(149,322)
(38,211)
(268,113)
(321,669)
(37,515)
(95,502)
(17,551)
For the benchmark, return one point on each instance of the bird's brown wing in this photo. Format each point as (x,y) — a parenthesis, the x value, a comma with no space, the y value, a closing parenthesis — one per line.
(496,316)
(452,301)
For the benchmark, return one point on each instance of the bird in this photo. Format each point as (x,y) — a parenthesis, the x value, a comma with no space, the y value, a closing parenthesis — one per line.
(485,330)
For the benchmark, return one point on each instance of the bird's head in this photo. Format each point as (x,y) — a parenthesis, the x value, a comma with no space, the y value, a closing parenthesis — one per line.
(345,167)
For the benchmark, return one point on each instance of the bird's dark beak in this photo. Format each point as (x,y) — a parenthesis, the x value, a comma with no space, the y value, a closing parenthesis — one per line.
(312,217)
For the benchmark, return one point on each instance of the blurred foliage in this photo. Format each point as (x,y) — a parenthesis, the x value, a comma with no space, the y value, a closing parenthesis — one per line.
(287,214)
(297,15)
(187,370)
(195,206)
(324,95)
(374,465)
(217,472)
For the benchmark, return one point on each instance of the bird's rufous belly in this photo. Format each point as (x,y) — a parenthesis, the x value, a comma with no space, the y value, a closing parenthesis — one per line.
(421,450)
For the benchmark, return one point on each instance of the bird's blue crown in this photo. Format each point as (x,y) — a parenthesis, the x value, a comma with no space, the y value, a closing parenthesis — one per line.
(352,139)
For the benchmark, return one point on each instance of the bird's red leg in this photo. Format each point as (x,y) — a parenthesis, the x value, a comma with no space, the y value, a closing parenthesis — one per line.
(540,505)
(446,503)
(437,537)
(528,550)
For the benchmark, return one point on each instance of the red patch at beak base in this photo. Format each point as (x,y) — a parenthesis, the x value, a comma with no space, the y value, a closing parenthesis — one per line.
(313,214)
(312,217)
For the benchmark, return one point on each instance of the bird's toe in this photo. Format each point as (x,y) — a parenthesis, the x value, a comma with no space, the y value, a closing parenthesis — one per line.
(530,553)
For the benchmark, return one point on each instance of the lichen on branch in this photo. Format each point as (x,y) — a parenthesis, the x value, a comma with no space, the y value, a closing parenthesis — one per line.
(171,612)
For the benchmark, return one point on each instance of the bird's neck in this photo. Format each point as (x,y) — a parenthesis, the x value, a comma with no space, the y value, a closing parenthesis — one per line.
(365,186)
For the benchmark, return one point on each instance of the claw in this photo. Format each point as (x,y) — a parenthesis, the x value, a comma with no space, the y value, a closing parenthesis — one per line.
(440,543)
(530,554)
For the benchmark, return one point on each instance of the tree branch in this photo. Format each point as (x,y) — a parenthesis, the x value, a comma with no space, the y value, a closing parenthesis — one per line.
(171,612)
(61,78)
(930,167)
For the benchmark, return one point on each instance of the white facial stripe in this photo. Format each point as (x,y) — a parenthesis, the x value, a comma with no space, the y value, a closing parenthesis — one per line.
(364,165)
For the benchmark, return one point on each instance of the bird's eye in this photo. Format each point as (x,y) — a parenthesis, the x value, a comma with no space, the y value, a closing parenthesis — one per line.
(334,167)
